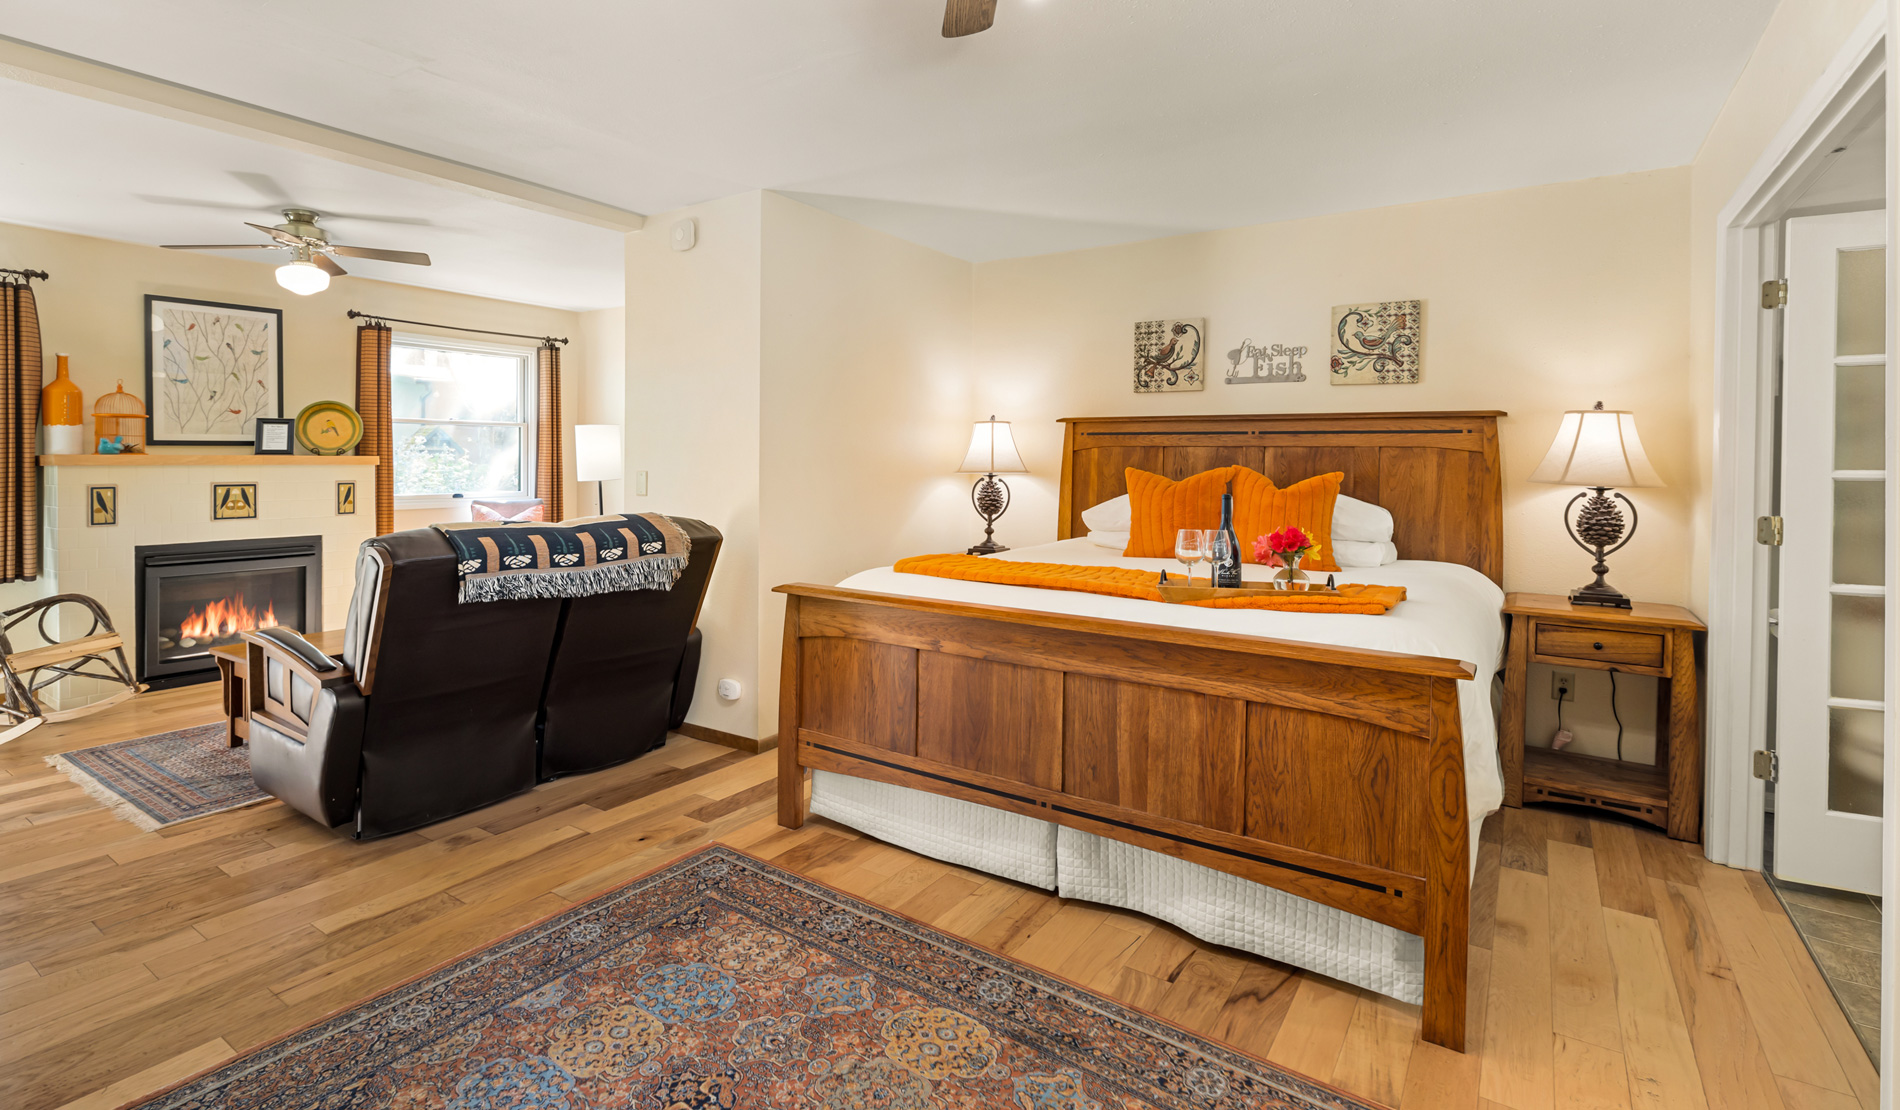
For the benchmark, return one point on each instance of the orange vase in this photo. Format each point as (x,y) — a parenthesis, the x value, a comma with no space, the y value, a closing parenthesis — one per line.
(62,412)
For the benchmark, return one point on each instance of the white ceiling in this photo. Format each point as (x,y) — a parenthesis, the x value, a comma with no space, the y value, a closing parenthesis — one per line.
(78,165)
(1070,123)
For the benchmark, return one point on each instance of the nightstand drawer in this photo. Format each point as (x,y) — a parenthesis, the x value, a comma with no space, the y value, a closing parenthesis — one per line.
(1599,645)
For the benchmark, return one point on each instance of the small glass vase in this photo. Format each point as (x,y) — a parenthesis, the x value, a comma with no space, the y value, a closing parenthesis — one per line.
(1290,576)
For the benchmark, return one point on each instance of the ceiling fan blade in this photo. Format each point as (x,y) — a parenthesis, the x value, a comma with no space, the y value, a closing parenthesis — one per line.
(413,258)
(327,264)
(967,17)
(283,237)
(220,246)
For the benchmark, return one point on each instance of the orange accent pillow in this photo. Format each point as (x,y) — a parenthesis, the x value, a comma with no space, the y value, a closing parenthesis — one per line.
(1261,507)
(1158,507)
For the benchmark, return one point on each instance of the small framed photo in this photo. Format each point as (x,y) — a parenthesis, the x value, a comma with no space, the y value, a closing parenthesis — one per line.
(273,436)
(102,505)
(233,500)
(346,498)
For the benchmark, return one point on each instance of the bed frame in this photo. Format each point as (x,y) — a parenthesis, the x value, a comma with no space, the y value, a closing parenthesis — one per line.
(1335,774)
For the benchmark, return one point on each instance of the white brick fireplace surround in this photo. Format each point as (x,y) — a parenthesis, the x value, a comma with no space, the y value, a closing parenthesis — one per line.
(164,499)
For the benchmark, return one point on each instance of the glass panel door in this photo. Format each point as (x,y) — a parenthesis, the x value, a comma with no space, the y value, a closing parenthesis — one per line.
(1832,671)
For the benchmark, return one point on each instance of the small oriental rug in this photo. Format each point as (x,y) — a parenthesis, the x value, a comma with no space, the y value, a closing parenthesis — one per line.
(155,781)
(723,982)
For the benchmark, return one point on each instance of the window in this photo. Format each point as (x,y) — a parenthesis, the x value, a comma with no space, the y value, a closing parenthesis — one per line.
(462,415)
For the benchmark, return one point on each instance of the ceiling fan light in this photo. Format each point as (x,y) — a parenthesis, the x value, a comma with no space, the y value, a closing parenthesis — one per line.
(302,278)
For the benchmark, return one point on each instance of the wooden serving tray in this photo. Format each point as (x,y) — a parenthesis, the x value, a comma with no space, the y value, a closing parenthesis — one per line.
(1203,589)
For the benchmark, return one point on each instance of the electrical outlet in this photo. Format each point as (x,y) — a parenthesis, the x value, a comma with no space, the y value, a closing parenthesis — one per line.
(1563,686)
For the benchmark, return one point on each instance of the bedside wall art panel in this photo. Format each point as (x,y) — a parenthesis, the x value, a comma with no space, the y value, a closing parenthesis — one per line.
(1378,344)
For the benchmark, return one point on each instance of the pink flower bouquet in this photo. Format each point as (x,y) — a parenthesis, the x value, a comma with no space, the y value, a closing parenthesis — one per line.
(1290,542)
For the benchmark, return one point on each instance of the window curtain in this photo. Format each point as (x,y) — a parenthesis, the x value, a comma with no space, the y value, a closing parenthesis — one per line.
(547,435)
(372,404)
(20,367)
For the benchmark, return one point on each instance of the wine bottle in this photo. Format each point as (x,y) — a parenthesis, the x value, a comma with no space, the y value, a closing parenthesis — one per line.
(1227,569)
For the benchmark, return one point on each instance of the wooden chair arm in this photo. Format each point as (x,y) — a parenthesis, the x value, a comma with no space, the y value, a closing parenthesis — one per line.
(286,674)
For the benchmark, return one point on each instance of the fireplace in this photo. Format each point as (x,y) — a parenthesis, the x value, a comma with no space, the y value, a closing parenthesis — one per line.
(193,597)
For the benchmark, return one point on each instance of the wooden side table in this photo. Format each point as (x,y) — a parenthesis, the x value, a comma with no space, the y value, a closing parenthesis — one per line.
(234,668)
(1656,640)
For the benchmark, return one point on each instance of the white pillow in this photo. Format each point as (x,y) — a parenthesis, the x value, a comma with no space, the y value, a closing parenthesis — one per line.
(1115,515)
(1363,553)
(1354,519)
(1116,540)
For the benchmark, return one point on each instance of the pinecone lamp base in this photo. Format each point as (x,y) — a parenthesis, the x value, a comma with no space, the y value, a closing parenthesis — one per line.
(1599,530)
(990,496)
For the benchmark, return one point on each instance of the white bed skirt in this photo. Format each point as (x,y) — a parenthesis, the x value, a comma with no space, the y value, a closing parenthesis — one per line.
(1209,904)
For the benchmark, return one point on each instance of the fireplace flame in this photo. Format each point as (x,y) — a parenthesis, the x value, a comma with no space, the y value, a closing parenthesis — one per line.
(226,617)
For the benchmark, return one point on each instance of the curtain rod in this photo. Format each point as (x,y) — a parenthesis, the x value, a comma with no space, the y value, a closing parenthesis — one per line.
(30,275)
(381,319)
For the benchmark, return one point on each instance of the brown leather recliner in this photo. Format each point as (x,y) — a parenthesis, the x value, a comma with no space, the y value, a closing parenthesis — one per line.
(439,707)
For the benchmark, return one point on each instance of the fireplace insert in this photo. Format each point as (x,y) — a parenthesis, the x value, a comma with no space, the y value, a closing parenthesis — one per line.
(193,597)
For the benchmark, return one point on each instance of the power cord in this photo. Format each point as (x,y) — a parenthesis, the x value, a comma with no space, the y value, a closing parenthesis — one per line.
(1613,713)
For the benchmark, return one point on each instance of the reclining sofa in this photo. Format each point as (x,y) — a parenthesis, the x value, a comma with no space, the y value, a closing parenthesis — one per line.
(439,707)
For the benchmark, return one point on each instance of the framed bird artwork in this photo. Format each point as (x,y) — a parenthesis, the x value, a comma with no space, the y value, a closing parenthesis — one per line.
(1170,356)
(1377,344)
(211,369)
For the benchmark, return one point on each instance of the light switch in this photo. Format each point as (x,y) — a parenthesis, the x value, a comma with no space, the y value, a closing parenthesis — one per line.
(640,483)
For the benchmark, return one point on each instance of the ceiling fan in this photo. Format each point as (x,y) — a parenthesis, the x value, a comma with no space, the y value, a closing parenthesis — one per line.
(310,267)
(967,17)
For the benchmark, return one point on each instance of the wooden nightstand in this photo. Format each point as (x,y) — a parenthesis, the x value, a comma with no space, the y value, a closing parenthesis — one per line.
(1656,640)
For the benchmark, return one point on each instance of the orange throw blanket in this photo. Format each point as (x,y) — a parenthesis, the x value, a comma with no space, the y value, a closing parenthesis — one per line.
(1141,584)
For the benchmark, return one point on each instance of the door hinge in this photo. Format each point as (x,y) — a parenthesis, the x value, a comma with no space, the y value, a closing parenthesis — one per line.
(1767,767)
(1768,530)
(1774,293)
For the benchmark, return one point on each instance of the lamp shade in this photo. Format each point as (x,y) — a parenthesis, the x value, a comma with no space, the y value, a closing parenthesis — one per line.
(1597,447)
(992,450)
(597,456)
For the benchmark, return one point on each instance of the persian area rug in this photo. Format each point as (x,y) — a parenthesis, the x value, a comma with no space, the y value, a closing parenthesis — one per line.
(722,982)
(155,781)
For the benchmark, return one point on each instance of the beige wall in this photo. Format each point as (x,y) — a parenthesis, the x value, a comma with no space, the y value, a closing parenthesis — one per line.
(602,392)
(865,408)
(692,420)
(91,309)
(1801,39)
(799,382)
(1536,300)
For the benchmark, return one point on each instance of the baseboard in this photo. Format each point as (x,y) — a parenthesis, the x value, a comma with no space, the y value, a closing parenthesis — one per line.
(729,739)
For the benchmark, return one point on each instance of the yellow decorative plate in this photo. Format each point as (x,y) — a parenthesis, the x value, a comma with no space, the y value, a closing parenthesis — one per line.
(328,427)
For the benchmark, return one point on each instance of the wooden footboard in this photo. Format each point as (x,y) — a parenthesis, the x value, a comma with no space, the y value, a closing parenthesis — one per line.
(1334,774)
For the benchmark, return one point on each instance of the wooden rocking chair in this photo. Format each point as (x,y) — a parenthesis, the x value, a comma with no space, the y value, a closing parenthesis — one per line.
(28,672)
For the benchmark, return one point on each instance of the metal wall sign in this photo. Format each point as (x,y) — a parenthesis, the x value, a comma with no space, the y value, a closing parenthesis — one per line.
(1250,364)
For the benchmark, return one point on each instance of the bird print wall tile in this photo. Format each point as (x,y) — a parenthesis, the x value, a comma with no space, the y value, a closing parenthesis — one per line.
(1169,357)
(1378,344)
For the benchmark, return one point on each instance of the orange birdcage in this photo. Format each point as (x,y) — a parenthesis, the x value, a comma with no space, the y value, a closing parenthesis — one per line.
(118,423)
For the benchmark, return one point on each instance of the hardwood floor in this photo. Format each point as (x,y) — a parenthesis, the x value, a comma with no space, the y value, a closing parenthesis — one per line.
(1610,967)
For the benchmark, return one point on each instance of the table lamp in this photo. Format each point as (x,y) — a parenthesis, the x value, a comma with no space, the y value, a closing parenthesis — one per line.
(597,458)
(1598,448)
(992,452)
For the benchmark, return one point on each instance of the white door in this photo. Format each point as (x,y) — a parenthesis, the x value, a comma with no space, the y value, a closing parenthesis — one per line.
(1831,689)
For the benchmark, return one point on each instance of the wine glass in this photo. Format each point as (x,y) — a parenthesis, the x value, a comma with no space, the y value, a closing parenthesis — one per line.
(1220,547)
(1190,547)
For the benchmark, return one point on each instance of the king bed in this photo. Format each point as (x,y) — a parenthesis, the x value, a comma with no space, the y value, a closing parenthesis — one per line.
(1303,785)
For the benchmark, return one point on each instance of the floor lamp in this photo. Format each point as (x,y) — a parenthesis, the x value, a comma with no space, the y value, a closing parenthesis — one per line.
(598,458)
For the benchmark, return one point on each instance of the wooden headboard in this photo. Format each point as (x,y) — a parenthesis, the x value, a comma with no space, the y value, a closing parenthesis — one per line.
(1436,472)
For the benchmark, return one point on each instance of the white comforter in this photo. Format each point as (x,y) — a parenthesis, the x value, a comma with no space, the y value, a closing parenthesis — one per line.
(1450,611)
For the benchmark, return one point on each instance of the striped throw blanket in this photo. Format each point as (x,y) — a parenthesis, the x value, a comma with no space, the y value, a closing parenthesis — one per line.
(575,558)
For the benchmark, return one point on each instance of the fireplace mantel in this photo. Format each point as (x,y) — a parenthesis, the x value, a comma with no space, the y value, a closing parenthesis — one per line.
(229,459)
